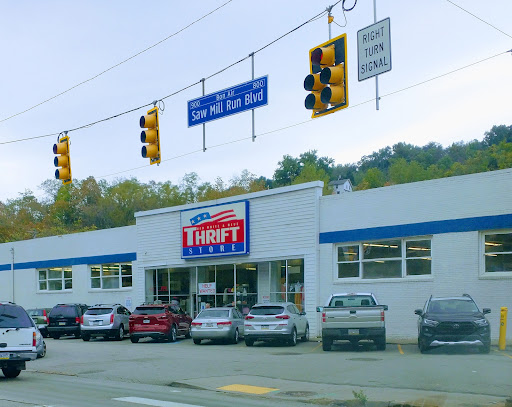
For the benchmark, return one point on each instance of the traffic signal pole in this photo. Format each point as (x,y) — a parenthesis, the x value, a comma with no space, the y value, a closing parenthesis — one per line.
(376,76)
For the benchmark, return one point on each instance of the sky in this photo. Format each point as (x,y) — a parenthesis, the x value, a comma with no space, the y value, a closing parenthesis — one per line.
(52,46)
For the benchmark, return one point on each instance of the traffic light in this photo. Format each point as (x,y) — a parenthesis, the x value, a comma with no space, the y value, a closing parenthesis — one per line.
(151,135)
(327,81)
(63,159)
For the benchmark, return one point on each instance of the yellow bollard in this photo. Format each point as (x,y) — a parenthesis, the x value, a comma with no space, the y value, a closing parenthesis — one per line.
(503,328)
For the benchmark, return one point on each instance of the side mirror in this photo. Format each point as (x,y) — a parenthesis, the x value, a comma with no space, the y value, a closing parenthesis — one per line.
(319,309)
(418,312)
(486,310)
(386,307)
(302,313)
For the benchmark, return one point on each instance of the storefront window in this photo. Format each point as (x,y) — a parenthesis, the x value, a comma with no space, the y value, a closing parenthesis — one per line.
(246,286)
(498,252)
(55,279)
(111,276)
(384,259)
(287,281)
(225,284)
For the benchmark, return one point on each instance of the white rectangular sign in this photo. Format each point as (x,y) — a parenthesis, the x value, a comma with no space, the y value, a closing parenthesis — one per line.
(206,288)
(374,50)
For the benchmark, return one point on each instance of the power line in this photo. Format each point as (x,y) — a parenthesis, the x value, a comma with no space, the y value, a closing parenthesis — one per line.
(118,64)
(310,120)
(483,21)
(182,89)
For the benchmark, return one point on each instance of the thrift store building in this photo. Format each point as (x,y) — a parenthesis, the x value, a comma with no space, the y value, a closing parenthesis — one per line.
(403,243)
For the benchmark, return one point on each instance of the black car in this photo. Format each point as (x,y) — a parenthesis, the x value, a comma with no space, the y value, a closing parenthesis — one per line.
(453,321)
(64,319)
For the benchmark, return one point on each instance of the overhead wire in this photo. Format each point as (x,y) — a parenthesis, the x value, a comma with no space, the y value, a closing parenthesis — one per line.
(310,120)
(190,85)
(118,64)
(478,18)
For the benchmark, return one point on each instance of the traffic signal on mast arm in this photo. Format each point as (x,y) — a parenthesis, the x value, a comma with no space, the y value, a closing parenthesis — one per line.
(63,159)
(327,81)
(151,135)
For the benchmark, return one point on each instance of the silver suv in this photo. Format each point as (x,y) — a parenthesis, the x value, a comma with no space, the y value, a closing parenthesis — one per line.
(18,339)
(280,321)
(107,320)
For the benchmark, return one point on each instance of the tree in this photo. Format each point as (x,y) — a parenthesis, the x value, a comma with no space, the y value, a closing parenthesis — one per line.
(311,173)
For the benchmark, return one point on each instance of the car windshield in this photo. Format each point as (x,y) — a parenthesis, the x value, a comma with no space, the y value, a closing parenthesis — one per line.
(98,311)
(267,310)
(213,313)
(35,312)
(14,317)
(63,311)
(352,301)
(452,306)
(149,310)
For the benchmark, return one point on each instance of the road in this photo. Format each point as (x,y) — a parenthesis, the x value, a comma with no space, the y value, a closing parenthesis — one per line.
(76,373)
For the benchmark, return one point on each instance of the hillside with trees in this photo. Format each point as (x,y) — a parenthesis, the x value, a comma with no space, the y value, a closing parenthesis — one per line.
(89,204)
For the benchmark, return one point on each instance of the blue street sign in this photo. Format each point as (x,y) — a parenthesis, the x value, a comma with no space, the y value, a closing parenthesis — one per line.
(237,99)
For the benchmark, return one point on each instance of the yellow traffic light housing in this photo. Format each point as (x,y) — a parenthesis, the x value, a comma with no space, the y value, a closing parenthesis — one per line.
(327,81)
(151,136)
(63,159)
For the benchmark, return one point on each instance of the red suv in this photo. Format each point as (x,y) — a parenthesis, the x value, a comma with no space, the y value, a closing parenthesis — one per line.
(159,321)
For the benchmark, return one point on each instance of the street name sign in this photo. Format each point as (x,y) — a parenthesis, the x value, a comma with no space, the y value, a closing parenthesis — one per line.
(239,98)
(374,50)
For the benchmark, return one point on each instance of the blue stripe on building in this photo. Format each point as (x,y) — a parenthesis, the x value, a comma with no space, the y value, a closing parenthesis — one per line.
(109,258)
(419,229)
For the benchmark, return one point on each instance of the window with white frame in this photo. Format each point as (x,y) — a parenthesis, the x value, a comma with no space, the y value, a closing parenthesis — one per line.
(111,276)
(395,258)
(55,279)
(498,252)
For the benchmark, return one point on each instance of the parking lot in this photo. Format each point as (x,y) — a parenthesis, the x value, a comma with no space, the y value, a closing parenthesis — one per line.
(398,373)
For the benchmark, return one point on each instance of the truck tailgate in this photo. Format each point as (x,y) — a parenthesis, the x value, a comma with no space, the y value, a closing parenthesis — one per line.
(367,317)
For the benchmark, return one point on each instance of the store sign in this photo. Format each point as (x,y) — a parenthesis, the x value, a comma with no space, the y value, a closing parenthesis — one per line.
(206,289)
(212,231)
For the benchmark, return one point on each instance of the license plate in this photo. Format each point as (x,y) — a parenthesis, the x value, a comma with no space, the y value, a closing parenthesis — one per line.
(4,355)
(264,327)
(97,322)
(208,325)
(146,321)
(353,331)
(62,323)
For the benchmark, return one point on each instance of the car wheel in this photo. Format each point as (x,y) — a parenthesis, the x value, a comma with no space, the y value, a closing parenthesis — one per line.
(86,338)
(293,338)
(197,341)
(120,334)
(326,344)
(77,335)
(173,334)
(380,343)
(134,339)
(236,336)
(423,347)
(188,335)
(305,338)
(55,336)
(249,342)
(43,353)
(486,348)
(11,372)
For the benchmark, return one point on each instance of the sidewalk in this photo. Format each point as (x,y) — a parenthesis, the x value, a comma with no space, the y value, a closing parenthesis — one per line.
(339,395)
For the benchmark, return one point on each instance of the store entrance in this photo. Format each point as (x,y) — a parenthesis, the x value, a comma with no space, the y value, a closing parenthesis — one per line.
(231,285)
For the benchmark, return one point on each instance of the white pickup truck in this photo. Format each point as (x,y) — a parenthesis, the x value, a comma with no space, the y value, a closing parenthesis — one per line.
(18,339)
(353,317)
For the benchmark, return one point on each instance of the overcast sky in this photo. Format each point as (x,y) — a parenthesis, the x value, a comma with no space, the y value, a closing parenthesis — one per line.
(51,46)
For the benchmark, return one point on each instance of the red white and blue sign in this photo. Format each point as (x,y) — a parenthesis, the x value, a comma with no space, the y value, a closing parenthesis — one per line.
(212,231)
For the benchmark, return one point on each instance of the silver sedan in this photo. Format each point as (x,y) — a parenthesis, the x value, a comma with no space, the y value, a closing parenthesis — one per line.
(218,323)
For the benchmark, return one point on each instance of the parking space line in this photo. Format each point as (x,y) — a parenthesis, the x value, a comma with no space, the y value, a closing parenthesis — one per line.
(400,349)
(243,388)
(151,402)
(315,348)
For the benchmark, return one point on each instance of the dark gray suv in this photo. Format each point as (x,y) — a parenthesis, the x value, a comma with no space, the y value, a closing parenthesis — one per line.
(448,321)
